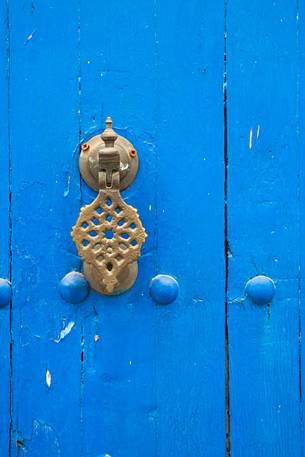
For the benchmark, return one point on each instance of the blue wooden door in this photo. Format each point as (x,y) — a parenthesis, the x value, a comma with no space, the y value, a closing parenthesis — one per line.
(211,95)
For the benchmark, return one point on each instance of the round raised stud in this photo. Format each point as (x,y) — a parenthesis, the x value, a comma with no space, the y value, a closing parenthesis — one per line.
(74,287)
(5,292)
(260,290)
(164,289)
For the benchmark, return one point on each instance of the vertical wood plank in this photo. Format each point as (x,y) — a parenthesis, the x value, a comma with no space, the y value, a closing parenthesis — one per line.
(117,79)
(300,178)
(263,226)
(45,191)
(190,362)
(154,384)
(5,230)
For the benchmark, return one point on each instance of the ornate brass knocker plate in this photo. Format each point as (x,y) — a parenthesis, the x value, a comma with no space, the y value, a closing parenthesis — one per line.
(108,233)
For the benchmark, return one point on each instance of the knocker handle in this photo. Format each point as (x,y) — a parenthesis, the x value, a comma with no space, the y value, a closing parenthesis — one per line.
(108,233)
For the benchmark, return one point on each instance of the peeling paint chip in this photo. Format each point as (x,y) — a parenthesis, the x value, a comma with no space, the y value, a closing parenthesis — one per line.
(250,138)
(96,338)
(48,378)
(65,331)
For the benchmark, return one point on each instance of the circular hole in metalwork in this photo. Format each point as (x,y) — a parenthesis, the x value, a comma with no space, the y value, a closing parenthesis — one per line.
(108,234)
(95,221)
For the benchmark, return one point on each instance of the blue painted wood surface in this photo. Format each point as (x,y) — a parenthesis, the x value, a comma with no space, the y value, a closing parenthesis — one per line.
(263,226)
(210,93)
(5,368)
(44,103)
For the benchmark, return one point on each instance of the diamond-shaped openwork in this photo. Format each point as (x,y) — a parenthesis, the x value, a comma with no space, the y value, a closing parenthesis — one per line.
(108,235)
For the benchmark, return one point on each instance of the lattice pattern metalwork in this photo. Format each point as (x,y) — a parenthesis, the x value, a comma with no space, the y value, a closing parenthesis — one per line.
(108,235)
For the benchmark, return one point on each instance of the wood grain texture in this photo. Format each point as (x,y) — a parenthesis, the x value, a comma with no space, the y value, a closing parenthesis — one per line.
(263,226)
(45,179)
(5,231)
(190,363)
(154,378)
(118,376)
(122,376)
(118,79)
(301,184)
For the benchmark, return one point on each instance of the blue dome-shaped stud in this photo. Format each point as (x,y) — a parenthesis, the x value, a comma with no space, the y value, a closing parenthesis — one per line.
(5,292)
(164,289)
(260,290)
(74,287)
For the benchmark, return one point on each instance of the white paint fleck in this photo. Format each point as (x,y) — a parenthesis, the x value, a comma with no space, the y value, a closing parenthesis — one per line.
(258,131)
(250,138)
(48,378)
(67,188)
(65,331)
(30,36)
(149,208)
(130,362)
(96,338)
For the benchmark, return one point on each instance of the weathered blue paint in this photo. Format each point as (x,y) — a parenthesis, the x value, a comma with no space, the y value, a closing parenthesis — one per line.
(5,232)
(5,292)
(221,194)
(44,138)
(263,206)
(164,289)
(74,287)
(190,228)
(260,289)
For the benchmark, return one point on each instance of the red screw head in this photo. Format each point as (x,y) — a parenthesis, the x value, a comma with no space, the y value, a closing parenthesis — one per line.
(132,153)
(85,146)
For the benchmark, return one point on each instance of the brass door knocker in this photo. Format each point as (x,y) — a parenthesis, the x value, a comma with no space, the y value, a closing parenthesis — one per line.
(108,233)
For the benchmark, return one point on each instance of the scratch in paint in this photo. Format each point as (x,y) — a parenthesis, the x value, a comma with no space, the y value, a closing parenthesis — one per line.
(67,188)
(48,378)
(65,331)
(250,138)
(30,37)
(258,131)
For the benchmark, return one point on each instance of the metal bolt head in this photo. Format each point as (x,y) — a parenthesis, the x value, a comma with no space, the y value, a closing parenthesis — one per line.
(5,292)
(132,153)
(260,290)
(74,287)
(164,289)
